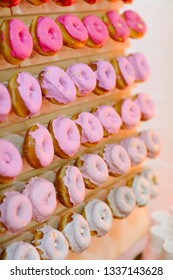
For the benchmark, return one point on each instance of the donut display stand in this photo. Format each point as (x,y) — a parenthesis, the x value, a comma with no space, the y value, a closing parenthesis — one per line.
(116,242)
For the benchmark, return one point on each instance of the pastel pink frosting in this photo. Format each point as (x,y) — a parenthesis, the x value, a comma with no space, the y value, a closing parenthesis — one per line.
(16,211)
(121,29)
(74,183)
(146,105)
(58,85)
(11,161)
(142,190)
(97,30)
(109,118)
(20,39)
(130,113)
(152,142)
(67,135)
(30,92)
(73,26)
(126,70)
(92,129)
(5,102)
(83,77)
(42,195)
(105,75)
(134,21)
(48,34)
(43,145)
(21,251)
(140,66)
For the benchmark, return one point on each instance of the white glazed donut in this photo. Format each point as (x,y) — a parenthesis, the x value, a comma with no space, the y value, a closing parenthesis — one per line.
(142,190)
(122,201)
(99,216)
(151,176)
(152,142)
(21,251)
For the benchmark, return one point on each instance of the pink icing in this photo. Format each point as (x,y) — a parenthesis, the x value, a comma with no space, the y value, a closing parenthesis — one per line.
(11,161)
(146,105)
(130,113)
(152,142)
(83,77)
(74,26)
(140,66)
(126,70)
(30,92)
(58,85)
(43,145)
(16,211)
(109,118)
(67,135)
(20,39)
(5,101)
(105,75)
(42,195)
(97,30)
(73,180)
(48,34)
(92,129)
(134,21)
(121,28)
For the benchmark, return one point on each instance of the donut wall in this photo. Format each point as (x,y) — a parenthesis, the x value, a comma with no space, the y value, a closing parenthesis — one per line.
(72,147)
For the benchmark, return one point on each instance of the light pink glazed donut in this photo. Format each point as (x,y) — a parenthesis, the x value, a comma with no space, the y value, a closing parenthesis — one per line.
(140,66)
(146,106)
(92,129)
(117,159)
(42,195)
(142,190)
(11,161)
(97,31)
(83,77)
(21,251)
(126,70)
(5,102)
(15,211)
(130,113)
(121,201)
(109,118)
(152,178)
(136,24)
(136,149)
(152,142)
(56,85)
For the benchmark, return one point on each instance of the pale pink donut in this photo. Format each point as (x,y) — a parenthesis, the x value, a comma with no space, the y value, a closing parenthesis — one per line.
(152,142)
(140,66)
(42,195)
(142,190)
(105,75)
(126,69)
(16,211)
(21,251)
(146,106)
(5,102)
(130,113)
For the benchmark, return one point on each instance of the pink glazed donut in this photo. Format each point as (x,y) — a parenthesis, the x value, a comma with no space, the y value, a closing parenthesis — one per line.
(152,142)
(97,31)
(140,66)
(42,195)
(20,251)
(11,161)
(5,102)
(130,113)
(146,106)
(15,211)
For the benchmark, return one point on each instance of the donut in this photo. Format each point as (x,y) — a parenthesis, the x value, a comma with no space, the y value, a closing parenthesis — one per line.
(16,42)
(38,146)
(25,94)
(118,29)
(11,161)
(64,2)
(42,195)
(127,1)
(73,31)
(152,142)
(97,31)
(15,211)
(116,158)
(151,176)
(140,67)
(91,2)
(5,102)
(94,170)
(9,3)
(76,230)
(135,23)
(124,72)
(135,148)
(56,85)
(121,201)
(146,106)
(50,243)
(46,35)
(105,76)
(20,251)
(92,129)
(142,190)
(65,135)
(109,118)
(99,217)
(83,77)
(70,186)
(38,2)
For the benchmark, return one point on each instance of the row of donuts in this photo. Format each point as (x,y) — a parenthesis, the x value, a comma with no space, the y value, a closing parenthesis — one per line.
(47,36)
(24,92)
(75,230)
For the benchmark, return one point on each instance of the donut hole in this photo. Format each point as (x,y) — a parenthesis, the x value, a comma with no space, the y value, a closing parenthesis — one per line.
(57,244)
(103,215)
(70,134)
(84,75)
(44,145)
(22,36)
(62,81)
(31,89)
(90,123)
(97,27)
(107,73)
(143,189)
(131,111)
(98,166)
(78,183)
(121,157)
(19,210)
(127,198)
(82,230)
(76,26)
(52,33)
(7,158)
